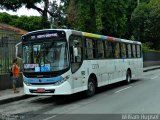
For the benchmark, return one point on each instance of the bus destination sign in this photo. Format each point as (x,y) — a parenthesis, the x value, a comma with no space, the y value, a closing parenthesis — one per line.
(41,36)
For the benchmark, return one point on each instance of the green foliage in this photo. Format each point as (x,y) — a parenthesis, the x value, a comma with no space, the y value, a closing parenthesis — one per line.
(58,20)
(105,17)
(24,22)
(139,15)
(5,18)
(146,47)
(16,4)
(146,23)
(31,23)
(72,13)
(30,4)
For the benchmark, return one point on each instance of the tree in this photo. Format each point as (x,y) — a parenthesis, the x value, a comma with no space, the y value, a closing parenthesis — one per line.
(5,18)
(114,18)
(105,17)
(139,16)
(31,23)
(81,15)
(59,20)
(146,22)
(30,4)
(131,5)
(72,14)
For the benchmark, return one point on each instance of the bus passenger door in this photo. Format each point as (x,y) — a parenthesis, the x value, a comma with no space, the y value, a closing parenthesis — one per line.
(76,61)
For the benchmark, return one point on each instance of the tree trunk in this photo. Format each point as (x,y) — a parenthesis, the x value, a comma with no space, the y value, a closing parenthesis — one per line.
(45,16)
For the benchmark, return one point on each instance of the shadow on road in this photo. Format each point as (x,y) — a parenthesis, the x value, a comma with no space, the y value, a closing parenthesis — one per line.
(68,99)
(112,87)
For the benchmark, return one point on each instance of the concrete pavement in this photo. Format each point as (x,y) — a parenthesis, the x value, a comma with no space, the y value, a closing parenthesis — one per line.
(145,69)
(8,95)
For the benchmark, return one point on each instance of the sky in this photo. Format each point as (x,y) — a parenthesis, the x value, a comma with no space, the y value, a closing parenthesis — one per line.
(22,11)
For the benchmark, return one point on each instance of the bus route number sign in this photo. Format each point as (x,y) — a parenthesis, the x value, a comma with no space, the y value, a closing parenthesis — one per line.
(47,35)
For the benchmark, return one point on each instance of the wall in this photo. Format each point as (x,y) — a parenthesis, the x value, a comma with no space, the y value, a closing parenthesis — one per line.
(151,59)
(6,82)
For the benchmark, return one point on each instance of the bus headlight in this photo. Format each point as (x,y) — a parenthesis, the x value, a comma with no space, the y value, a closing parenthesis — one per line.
(28,84)
(62,80)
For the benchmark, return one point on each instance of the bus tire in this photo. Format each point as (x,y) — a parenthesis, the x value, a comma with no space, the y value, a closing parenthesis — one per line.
(128,77)
(91,87)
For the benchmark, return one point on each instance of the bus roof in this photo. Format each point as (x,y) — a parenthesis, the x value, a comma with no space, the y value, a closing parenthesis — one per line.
(86,34)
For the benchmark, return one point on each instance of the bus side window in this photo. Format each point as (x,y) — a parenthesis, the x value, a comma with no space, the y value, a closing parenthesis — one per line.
(109,49)
(116,50)
(129,55)
(89,48)
(138,47)
(123,50)
(106,54)
(100,49)
(133,51)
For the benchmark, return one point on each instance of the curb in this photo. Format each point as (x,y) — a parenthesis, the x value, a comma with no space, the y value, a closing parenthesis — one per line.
(13,99)
(151,69)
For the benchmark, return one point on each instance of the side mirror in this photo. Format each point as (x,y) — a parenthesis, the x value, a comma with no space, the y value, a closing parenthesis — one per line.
(19,50)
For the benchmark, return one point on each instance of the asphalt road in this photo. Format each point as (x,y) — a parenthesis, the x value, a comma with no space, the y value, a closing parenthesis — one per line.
(138,100)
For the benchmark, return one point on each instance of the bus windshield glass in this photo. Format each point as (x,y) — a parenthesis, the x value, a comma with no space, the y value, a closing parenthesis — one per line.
(45,56)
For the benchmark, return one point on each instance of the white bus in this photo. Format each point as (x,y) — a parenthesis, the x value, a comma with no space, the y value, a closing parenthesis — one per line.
(63,61)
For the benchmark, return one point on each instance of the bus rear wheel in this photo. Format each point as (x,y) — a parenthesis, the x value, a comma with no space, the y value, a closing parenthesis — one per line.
(91,87)
(128,77)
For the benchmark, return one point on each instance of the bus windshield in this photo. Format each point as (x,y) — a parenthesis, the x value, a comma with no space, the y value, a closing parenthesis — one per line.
(45,56)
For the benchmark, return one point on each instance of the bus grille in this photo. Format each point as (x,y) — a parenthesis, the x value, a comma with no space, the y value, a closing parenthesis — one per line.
(42,83)
(46,91)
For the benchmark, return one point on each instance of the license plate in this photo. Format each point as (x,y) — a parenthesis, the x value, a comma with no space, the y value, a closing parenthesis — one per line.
(40,90)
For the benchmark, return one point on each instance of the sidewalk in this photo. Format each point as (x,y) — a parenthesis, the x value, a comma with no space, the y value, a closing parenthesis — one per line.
(145,69)
(7,96)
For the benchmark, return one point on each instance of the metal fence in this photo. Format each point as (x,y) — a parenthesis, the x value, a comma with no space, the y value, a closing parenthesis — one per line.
(7,50)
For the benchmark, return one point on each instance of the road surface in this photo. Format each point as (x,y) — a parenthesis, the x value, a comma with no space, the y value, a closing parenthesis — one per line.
(140,99)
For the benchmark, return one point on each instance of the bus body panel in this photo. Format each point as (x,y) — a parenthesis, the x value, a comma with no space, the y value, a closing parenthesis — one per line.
(63,89)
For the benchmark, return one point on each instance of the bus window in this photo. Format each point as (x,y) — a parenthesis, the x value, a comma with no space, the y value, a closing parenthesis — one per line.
(100,49)
(116,50)
(108,49)
(89,48)
(129,51)
(133,51)
(138,51)
(123,50)
(75,43)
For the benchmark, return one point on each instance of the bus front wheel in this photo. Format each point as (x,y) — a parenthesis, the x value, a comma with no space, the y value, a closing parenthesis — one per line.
(91,87)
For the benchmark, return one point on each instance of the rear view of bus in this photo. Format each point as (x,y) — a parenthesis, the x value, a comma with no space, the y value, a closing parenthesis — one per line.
(45,63)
